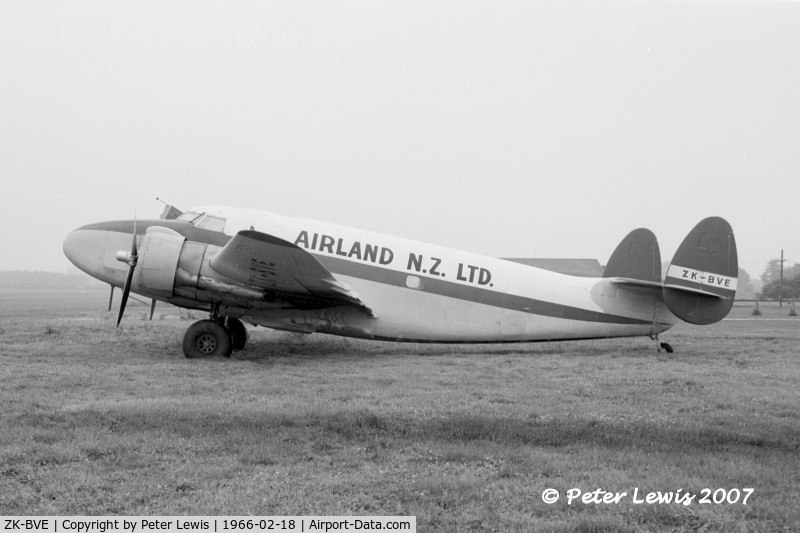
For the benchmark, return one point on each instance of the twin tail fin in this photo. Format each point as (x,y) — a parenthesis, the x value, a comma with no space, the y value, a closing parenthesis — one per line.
(700,283)
(701,279)
(637,258)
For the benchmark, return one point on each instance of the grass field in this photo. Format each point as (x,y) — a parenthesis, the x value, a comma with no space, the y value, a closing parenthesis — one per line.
(99,420)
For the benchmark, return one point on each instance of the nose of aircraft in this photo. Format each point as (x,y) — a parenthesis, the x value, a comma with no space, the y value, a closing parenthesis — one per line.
(85,249)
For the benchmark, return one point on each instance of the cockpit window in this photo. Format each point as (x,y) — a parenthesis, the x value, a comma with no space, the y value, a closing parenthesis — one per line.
(202,220)
(211,223)
(189,216)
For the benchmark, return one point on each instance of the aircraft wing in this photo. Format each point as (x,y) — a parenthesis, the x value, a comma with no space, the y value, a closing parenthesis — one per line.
(283,270)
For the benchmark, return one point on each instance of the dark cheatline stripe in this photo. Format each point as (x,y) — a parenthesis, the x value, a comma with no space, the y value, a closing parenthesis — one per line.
(192,233)
(471,294)
(390,277)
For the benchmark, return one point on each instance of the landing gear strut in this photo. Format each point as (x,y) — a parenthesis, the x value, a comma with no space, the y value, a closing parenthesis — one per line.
(236,330)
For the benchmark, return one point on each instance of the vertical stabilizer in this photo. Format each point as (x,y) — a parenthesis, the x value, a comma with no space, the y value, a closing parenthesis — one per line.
(701,280)
(636,257)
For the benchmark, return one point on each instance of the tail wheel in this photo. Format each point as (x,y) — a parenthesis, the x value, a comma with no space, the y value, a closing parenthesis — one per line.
(236,330)
(206,338)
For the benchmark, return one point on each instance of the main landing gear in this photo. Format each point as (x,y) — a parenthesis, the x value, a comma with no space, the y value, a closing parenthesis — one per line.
(214,338)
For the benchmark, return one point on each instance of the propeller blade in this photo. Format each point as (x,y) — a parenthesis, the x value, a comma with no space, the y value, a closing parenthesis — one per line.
(126,290)
(134,248)
(110,298)
(152,309)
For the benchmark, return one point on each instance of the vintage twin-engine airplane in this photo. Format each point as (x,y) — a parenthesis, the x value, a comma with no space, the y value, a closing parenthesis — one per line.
(243,265)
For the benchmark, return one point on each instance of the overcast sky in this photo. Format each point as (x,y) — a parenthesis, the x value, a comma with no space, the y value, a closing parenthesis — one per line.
(531,129)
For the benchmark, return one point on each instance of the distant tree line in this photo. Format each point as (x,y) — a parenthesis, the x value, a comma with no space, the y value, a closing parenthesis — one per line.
(745,289)
(21,279)
(789,289)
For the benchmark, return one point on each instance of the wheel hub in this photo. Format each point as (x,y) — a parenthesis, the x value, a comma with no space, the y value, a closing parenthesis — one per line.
(207,344)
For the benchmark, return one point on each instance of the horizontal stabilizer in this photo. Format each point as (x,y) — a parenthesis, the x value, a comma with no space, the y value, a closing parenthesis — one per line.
(649,286)
(690,291)
(701,280)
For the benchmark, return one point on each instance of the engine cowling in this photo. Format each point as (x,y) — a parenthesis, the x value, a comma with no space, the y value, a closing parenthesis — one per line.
(159,253)
(169,266)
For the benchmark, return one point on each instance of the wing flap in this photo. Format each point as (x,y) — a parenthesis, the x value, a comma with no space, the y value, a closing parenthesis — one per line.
(280,267)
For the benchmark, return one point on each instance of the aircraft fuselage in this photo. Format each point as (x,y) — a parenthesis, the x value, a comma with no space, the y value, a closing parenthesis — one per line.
(416,291)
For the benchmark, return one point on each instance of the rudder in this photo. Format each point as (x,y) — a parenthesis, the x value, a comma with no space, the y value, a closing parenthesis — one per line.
(701,279)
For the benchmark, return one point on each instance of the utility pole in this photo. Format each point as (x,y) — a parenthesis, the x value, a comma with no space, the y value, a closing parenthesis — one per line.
(780,283)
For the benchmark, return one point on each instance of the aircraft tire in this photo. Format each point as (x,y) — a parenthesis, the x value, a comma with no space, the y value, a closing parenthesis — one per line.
(206,338)
(236,330)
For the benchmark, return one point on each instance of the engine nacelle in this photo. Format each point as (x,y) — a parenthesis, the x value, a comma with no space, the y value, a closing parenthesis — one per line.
(196,280)
(159,253)
(169,266)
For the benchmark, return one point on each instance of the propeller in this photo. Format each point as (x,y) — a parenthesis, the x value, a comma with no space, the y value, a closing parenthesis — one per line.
(110,298)
(131,259)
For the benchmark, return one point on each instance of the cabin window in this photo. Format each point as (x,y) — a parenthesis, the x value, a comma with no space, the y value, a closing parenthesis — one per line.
(414,282)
